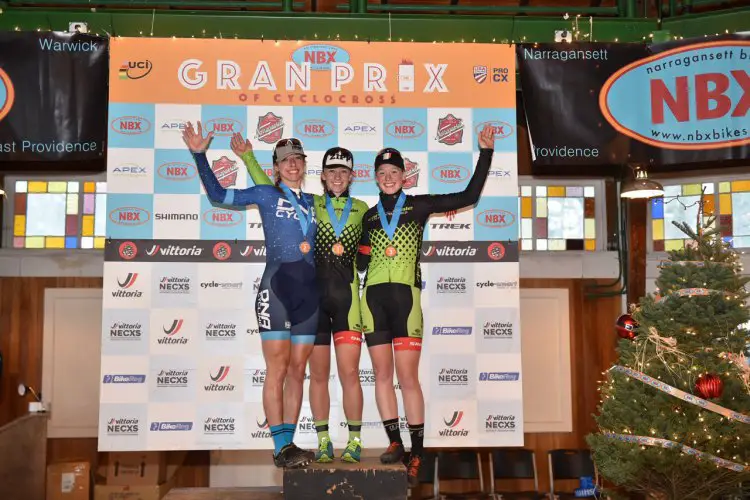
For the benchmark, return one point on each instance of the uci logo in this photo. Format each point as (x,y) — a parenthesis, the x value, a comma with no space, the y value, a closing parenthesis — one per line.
(7,94)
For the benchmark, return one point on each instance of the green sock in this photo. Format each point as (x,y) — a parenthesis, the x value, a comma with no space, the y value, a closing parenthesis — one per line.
(321,427)
(355,428)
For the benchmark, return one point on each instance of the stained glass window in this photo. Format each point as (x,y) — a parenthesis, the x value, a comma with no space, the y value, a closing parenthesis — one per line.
(557,217)
(59,214)
(728,200)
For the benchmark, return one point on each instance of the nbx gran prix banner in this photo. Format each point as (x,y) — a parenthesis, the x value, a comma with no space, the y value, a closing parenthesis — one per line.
(181,355)
(53,96)
(685,101)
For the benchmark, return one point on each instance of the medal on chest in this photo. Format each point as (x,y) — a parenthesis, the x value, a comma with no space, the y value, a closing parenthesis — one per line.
(389,226)
(338,223)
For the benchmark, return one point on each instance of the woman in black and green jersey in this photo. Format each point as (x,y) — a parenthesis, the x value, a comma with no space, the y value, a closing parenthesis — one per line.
(391,309)
(339,231)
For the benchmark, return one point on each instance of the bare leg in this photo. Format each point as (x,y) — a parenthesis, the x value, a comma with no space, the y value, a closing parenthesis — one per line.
(277,354)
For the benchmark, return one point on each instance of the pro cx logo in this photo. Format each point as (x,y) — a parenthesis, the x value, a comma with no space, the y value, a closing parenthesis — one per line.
(7,94)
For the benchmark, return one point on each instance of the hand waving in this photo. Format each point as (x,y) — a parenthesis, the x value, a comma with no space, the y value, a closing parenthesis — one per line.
(196,143)
(487,137)
(239,145)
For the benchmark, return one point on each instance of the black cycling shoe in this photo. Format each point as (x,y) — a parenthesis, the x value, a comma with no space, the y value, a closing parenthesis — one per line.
(394,453)
(309,454)
(291,457)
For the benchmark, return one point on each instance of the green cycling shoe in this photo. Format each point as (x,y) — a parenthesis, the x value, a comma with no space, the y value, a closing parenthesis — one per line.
(324,454)
(353,451)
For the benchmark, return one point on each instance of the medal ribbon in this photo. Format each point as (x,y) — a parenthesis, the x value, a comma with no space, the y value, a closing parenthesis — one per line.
(338,224)
(390,226)
(304,222)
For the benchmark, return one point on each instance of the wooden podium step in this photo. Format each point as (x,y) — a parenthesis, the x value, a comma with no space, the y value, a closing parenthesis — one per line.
(225,494)
(368,480)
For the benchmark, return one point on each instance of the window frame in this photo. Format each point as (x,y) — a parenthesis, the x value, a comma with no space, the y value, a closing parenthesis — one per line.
(600,209)
(679,181)
(9,213)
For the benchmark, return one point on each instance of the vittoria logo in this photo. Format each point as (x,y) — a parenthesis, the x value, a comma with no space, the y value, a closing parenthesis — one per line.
(174,284)
(450,130)
(451,284)
(122,330)
(306,425)
(222,218)
(219,425)
(225,171)
(449,250)
(270,128)
(453,426)
(122,427)
(498,330)
(223,127)
(170,333)
(453,376)
(172,378)
(262,432)
(129,216)
(258,377)
(174,250)
(130,125)
(218,380)
(125,285)
(221,331)
(500,423)
(367,377)
(405,129)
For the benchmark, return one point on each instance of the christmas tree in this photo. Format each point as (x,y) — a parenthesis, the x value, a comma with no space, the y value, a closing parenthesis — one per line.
(674,417)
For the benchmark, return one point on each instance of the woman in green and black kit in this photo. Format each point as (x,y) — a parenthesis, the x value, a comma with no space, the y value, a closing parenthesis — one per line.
(339,231)
(391,309)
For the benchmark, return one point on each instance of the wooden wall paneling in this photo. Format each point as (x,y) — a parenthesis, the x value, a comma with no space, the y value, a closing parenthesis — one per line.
(636,231)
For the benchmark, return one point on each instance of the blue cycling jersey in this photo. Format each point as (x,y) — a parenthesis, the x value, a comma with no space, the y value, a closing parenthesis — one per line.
(280,220)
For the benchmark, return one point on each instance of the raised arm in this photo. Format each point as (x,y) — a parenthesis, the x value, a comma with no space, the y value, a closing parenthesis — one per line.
(197,144)
(438,203)
(244,149)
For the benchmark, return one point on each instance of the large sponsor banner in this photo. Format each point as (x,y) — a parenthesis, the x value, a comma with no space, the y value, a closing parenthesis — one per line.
(685,101)
(53,96)
(182,366)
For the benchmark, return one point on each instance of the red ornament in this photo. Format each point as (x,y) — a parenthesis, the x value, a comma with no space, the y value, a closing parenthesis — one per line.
(626,327)
(709,386)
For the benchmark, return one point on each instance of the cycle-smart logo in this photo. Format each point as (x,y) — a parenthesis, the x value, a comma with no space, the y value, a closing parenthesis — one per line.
(7,94)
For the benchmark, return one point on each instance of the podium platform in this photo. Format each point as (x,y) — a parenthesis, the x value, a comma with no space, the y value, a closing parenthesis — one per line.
(368,480)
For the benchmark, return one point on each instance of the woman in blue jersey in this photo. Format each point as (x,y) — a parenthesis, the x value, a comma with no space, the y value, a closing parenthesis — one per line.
(287,302)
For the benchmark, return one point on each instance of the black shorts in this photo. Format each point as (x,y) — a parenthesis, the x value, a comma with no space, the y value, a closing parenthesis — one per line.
(392,313)
(339,313)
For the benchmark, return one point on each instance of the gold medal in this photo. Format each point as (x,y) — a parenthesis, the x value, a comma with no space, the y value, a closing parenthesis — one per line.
(338,249)
(304,247)
(391,251)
